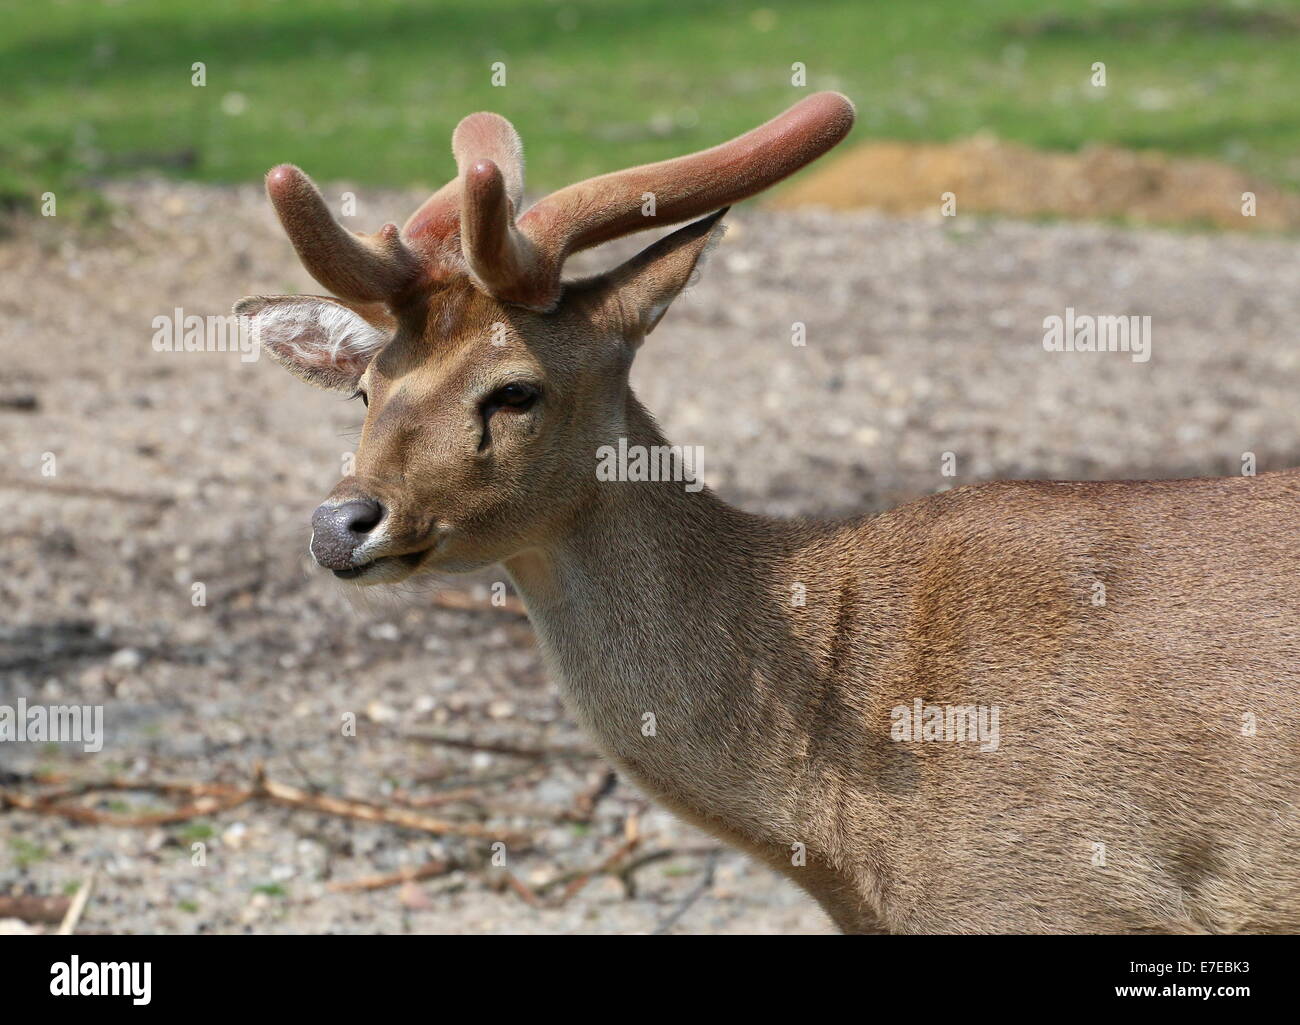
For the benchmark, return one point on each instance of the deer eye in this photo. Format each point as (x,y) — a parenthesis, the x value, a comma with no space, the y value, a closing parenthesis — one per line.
(359,394)
(511,396)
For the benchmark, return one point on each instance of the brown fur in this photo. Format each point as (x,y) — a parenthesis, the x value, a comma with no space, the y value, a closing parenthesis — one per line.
(1122,724)
(1145,775)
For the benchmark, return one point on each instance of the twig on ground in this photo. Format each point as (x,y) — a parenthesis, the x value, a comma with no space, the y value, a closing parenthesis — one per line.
(406,875)
(208,804)
(282,793)
(523,889)
(632,834)
(472,792)
(542,812)
(500,747)
(78,906)
(627,873)
(218,797)
(710,867)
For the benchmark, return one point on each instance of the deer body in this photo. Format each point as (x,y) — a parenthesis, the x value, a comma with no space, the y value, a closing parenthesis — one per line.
(1126,654)
(773,719)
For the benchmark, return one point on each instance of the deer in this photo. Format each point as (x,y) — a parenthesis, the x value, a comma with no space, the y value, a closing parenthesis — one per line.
(1007,707)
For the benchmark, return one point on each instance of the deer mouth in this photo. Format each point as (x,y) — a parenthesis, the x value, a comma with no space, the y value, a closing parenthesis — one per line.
(381,567)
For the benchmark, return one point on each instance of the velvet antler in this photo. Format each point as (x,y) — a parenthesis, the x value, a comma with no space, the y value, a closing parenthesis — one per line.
(471,225)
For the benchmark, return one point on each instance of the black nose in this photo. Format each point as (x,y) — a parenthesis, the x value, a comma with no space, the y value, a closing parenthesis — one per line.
(338,530)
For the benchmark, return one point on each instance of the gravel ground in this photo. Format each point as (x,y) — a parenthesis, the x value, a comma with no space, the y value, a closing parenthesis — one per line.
(923,337)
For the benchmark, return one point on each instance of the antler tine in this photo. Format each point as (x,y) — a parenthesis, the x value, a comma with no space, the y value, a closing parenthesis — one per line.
(490,159)
(609,206)
(497,255)
(485,194)
(363,268)
(486,136)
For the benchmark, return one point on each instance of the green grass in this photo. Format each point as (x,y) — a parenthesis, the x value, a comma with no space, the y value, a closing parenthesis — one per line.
(25,853)
(195,832)
(369,90)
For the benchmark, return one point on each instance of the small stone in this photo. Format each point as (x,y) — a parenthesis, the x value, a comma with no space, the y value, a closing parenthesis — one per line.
(126,658)
(413,897)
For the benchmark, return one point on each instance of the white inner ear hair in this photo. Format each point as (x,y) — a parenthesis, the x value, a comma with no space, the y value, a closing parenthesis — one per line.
(319,332)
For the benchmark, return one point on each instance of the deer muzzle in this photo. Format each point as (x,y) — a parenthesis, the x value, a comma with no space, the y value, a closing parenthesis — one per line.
(339,529)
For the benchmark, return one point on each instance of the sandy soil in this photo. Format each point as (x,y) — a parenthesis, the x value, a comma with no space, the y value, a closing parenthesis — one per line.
(923,338)
(988,175)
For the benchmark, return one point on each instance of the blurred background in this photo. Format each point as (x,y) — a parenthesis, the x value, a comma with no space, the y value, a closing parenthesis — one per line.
(1012,159)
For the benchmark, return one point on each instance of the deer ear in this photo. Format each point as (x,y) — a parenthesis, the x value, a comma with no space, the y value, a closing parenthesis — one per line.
(638,294)
(327,342)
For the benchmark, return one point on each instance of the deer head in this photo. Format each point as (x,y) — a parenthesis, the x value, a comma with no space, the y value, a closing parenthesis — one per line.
(490,382)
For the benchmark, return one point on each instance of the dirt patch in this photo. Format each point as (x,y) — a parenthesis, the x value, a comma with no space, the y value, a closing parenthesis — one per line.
(990,176)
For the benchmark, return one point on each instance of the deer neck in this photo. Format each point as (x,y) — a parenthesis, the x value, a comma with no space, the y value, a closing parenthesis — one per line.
(664,614)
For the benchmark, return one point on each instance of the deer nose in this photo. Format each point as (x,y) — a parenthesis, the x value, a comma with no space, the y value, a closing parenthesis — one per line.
(337,531)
